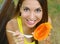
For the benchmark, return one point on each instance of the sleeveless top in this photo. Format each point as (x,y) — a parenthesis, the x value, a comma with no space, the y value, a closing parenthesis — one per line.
(21,30)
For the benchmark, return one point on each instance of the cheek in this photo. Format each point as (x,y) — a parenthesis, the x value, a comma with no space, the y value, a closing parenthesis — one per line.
(24,15)
(40,15)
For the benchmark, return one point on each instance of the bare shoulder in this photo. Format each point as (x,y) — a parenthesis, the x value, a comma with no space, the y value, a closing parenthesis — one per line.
(12,24)
(49,19)
(11,27)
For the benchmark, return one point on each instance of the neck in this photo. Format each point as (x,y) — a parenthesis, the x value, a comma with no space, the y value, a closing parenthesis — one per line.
(27,30)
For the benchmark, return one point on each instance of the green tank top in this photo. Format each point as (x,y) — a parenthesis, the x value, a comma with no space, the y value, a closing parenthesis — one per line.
(21,30)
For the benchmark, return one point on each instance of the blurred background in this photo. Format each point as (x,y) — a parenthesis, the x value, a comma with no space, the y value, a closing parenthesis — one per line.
(54,13)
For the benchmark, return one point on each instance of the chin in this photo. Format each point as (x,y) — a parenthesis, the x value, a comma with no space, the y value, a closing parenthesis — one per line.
(31,26)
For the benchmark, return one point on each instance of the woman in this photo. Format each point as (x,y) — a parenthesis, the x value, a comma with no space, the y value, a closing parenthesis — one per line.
(29,14)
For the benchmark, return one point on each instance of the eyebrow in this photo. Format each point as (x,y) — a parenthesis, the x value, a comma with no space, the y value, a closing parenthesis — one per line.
(28,7)
(25,6)
(39,8)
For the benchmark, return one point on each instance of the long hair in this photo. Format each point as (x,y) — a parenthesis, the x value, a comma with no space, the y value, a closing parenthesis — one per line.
(43,4)
(5,16)
(45,11)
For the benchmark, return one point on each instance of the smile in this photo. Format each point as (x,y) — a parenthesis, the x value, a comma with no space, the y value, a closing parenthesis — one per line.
(30,22)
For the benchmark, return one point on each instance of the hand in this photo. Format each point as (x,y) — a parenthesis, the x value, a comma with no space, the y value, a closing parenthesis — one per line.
(18,37)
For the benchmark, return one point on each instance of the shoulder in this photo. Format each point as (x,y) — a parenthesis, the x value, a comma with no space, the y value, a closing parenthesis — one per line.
(12,24)
(49,19)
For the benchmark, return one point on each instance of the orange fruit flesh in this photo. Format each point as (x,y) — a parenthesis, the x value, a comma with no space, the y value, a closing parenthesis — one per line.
(42,31)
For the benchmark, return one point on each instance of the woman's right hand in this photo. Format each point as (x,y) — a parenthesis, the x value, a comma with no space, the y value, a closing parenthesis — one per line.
(18,37)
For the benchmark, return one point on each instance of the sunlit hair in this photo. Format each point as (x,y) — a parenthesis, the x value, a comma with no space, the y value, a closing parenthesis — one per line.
(43,4)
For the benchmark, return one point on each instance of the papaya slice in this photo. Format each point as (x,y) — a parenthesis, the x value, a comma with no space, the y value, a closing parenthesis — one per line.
(42,31)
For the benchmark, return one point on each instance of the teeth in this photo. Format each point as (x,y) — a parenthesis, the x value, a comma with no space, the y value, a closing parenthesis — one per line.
(31,20)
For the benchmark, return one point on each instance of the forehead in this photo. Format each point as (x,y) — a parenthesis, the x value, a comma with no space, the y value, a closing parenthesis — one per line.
(30,3)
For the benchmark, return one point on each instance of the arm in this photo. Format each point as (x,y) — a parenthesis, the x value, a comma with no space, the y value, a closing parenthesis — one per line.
(48,40)
(9,35)
(13,38)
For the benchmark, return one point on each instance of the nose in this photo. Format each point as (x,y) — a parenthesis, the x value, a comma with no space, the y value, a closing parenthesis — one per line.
(32,16)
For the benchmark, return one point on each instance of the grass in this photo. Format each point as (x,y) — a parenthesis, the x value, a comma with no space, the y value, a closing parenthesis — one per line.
(54,12)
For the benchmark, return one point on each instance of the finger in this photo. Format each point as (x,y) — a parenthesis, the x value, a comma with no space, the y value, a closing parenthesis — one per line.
(17,33)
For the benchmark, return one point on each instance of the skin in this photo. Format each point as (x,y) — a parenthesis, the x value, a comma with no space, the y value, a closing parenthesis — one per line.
(30,15)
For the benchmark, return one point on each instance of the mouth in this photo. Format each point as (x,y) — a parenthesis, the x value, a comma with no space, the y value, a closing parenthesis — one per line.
(31,22)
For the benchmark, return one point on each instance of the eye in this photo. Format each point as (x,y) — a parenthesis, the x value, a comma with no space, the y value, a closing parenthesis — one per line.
(38,10)
(26,9)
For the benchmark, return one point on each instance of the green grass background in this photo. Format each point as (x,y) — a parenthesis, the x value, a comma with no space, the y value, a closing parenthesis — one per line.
(54,13)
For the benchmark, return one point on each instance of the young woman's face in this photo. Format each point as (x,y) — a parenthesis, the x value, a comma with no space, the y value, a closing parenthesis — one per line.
(31,13)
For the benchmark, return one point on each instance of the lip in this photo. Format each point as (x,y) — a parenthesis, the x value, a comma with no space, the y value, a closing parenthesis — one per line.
(30,22)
